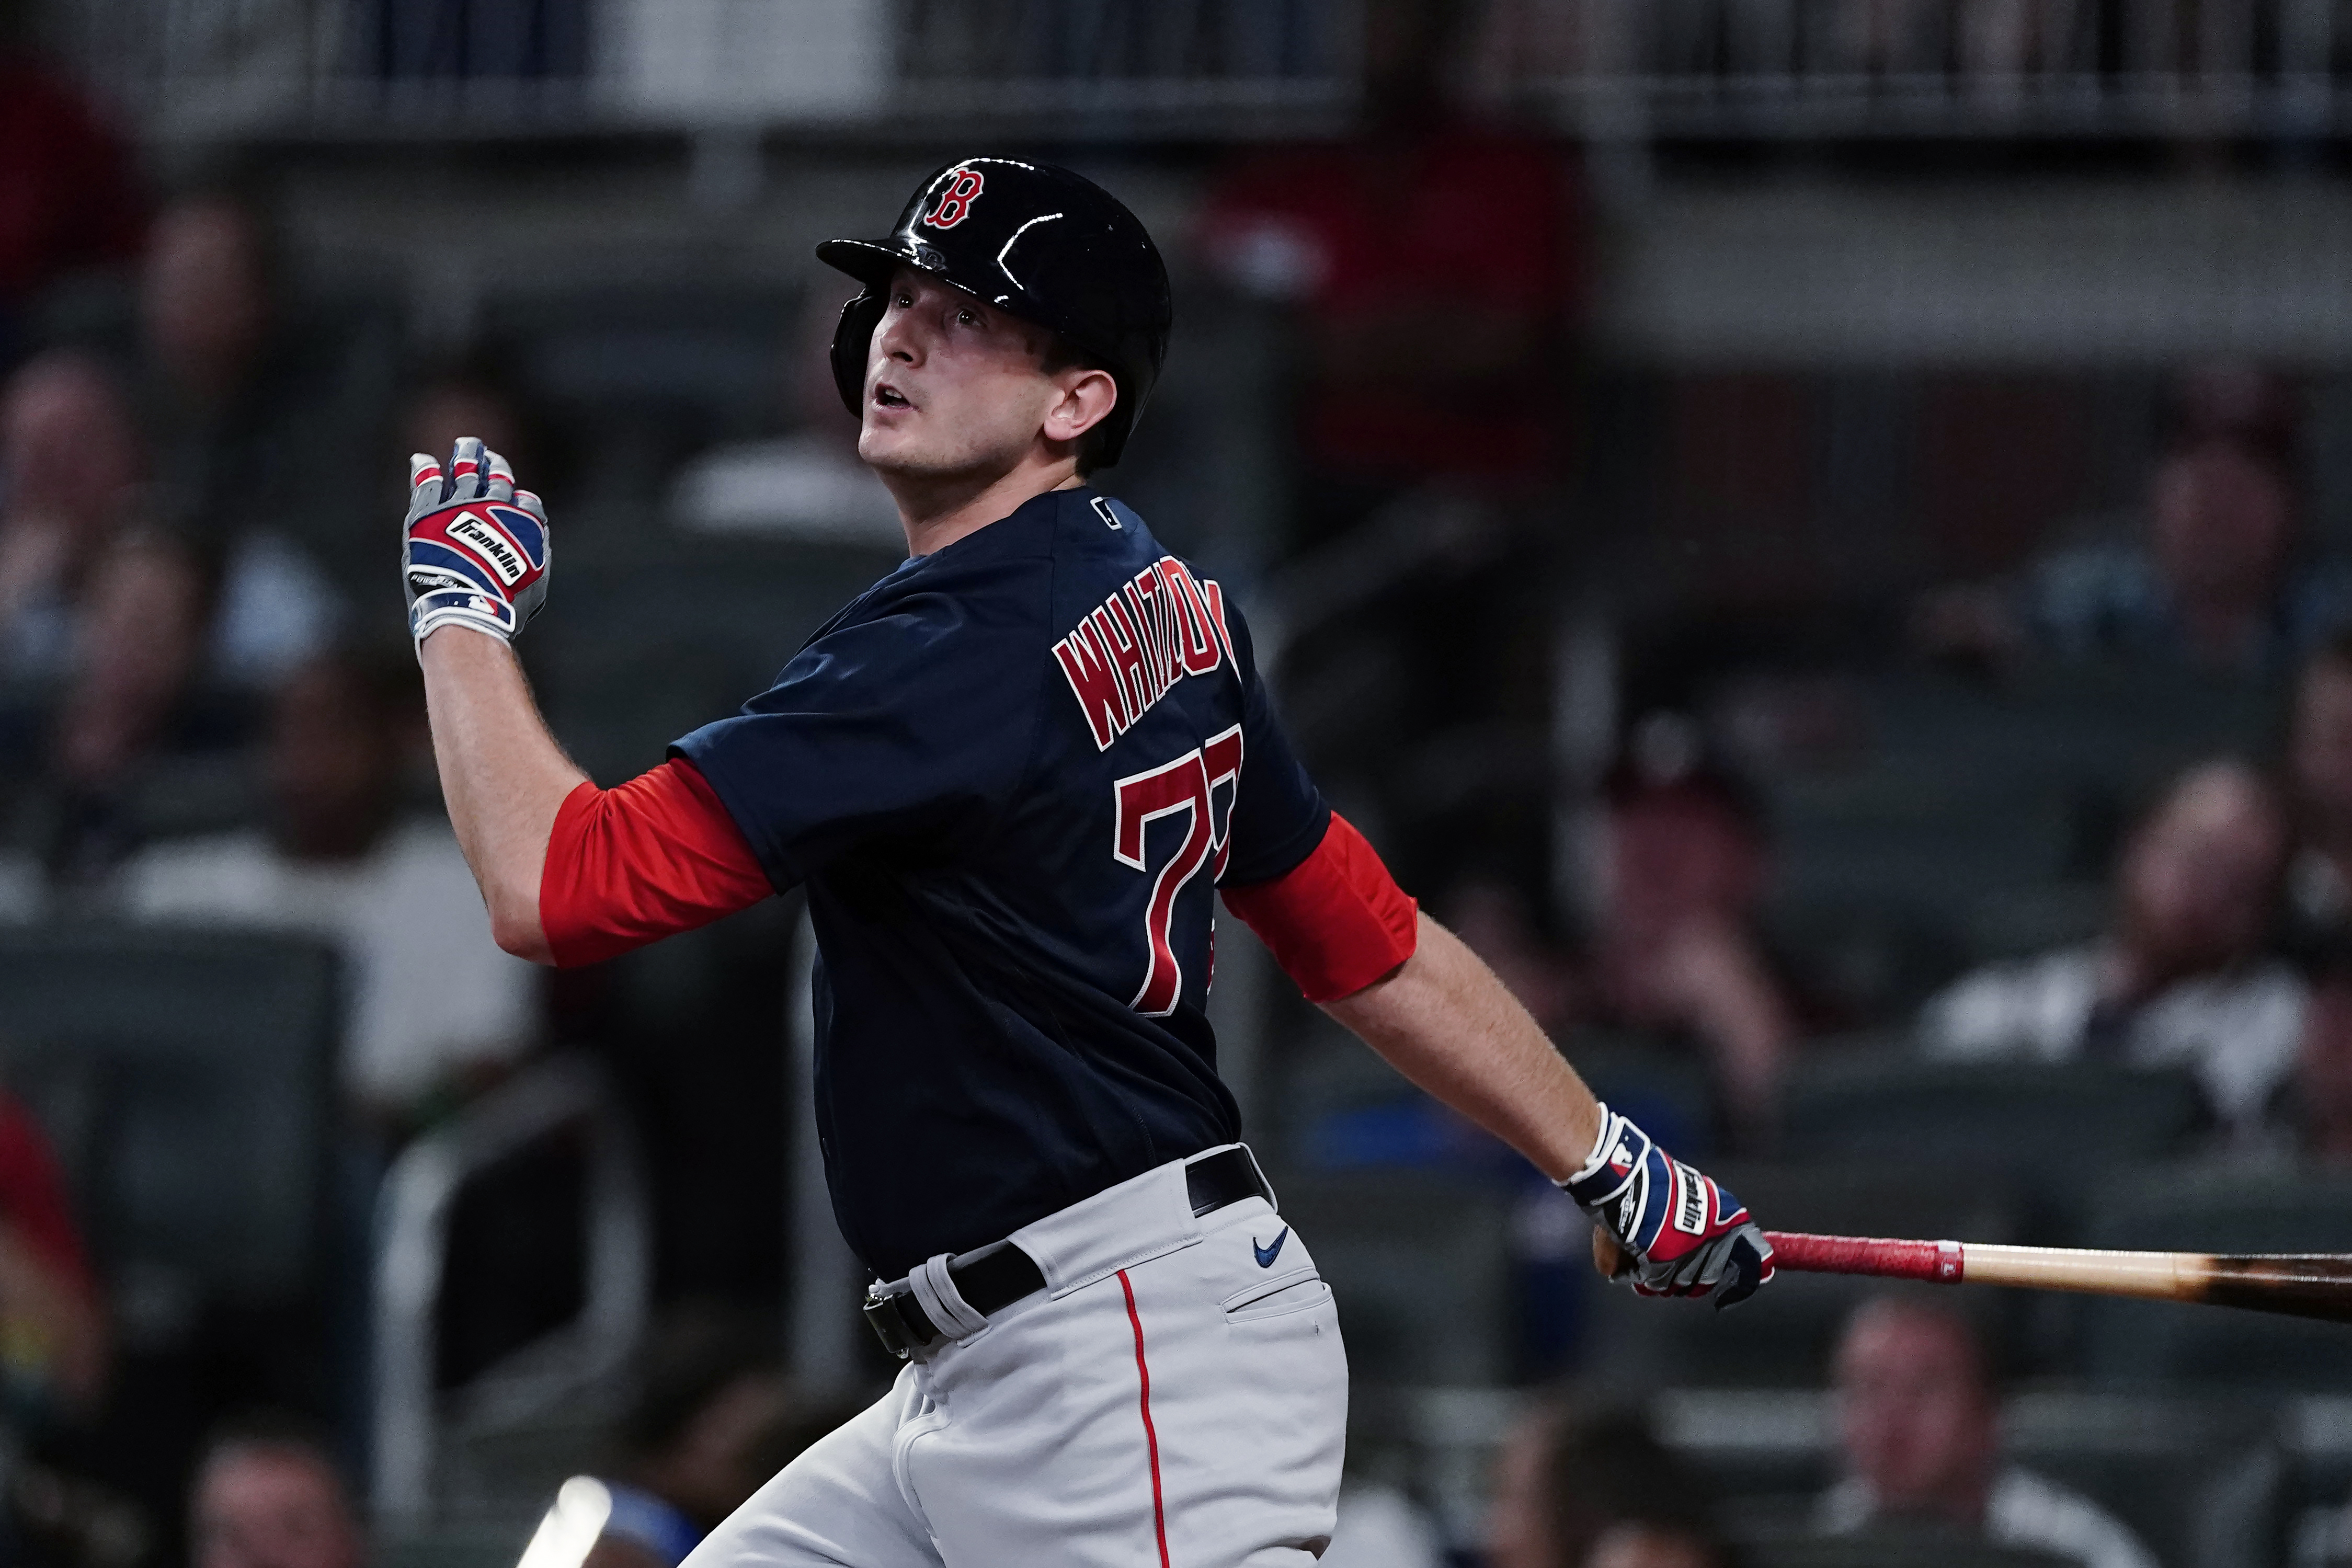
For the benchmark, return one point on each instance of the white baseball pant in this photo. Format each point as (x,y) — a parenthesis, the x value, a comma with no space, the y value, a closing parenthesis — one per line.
(1177,1395)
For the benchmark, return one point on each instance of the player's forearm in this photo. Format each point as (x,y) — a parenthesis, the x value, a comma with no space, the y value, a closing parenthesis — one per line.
(502,776)
(1445,1023)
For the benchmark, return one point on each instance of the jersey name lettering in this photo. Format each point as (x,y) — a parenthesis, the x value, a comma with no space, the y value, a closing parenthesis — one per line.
(1160,627)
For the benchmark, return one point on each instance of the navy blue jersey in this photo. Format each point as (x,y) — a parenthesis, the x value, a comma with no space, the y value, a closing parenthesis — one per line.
(1008,774)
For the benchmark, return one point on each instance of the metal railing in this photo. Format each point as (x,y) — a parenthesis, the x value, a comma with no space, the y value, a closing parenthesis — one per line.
(1611,69)
(223,67)
(413,1214)
(1127,55)
(1803,68)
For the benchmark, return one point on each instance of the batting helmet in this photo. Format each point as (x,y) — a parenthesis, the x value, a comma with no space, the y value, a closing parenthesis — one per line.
(1045,244)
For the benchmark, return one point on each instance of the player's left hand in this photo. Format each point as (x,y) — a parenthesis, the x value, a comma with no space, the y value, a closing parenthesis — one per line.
(474,549)
(1675,1231)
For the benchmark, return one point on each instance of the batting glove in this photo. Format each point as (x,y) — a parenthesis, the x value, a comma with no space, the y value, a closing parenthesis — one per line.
(1680,1233)
(474,552)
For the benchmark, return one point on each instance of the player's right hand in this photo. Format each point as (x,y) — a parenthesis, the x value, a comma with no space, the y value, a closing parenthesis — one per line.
(474,550)
(1675,1232)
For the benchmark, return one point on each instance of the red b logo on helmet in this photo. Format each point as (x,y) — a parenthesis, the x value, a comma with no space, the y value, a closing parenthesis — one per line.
(955,201)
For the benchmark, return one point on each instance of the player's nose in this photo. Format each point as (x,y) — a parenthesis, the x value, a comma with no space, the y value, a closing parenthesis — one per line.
(901,336)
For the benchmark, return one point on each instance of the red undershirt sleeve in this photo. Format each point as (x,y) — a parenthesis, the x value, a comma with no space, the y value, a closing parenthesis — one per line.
(634,865)
(1337,921)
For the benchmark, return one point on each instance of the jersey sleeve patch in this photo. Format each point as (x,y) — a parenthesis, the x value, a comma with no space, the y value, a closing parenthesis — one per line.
(1338,921)
(631,865)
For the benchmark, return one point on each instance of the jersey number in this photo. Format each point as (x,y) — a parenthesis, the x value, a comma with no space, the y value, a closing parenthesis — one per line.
(1191,784)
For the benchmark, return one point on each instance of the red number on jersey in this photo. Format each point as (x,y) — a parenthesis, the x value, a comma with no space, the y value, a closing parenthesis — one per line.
(1191,784)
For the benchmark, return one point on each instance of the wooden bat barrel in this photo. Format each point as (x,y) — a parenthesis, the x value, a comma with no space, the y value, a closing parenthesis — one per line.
(2308,1285)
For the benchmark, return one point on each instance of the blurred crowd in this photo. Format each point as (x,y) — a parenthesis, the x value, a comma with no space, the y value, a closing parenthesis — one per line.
(210,718)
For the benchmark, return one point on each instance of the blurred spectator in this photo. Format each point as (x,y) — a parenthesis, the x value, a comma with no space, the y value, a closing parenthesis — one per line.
(696,1442)
(267,1496)
(137,650)
(1635,1544)
(71,462)
(2181,978)
(2311,1113)
(1436,264)
(1676,955)
(1597,1491)
(435,1005)
(68,198)
(809,485)
(2319,772)
(2220,577)
(1918,1422)
(242,417)
(711,1419)
(208,308)
(53,1334)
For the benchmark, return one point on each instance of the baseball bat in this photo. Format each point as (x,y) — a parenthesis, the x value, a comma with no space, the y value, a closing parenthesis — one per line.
(2303,1285)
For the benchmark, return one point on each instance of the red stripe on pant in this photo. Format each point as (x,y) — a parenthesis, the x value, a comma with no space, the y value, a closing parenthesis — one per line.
(1150,1437)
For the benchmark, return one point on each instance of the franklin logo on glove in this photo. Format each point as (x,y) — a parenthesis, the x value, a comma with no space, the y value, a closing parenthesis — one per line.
(475,549)
(504,556)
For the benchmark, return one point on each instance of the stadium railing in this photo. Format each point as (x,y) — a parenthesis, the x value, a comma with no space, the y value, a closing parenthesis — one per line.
(1610,70)
(415,1423)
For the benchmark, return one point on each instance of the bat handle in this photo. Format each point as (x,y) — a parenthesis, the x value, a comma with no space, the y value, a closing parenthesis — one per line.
(1943,1262)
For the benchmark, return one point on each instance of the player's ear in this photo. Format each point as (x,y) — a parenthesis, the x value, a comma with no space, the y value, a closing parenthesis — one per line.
(1085,399)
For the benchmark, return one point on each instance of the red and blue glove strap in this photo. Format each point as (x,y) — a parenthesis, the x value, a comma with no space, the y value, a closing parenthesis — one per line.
(1688,1236)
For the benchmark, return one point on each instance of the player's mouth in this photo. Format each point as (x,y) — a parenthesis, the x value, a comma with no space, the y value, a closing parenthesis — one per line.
(887,396)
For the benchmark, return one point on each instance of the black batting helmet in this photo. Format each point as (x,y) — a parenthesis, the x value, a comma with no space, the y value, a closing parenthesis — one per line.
(1041,243)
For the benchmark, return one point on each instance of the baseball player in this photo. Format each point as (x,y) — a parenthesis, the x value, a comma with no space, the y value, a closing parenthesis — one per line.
(1014,776)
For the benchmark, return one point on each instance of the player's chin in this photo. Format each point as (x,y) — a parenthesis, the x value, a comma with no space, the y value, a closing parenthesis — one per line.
(904,452)
(887,441)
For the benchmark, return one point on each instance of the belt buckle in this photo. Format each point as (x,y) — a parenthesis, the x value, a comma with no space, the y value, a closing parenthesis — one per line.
(882,1316)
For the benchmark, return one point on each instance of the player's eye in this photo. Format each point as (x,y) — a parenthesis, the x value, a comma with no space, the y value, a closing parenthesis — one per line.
(966,319)
(903,300)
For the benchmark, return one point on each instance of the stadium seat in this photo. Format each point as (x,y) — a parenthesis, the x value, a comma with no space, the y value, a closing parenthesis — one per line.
(1999,805)
(186,1079)
(717,345)
(1874,959)
(2127,1343)
(1900,1109)
(1418,1261)
(2316,1515)
(1666,1092)
(1903,1551)
(675,632)
(1767,1454)
(643,371)
(2196,1480)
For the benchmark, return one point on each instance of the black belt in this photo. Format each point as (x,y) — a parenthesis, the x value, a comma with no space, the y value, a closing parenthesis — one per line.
(1000,1274)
